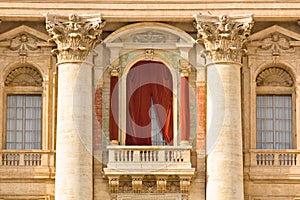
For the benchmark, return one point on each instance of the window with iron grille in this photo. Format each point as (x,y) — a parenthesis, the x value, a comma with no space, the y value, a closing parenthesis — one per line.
(23,121)
(274,121)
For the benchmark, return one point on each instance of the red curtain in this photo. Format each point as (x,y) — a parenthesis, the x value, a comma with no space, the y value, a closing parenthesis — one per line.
(148,80)
(114,109)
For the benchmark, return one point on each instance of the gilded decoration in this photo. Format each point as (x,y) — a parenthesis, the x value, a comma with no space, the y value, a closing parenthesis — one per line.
(75,36)
(223,37)
(274,76)
(24,76)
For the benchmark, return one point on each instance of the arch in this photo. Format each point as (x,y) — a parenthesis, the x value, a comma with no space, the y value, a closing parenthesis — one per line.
(288,69)
(24,75)
(274,76)
(141,90)
(122,89)
(149,26)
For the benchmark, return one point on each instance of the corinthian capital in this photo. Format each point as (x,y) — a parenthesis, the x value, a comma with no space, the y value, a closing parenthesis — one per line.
(75,35)
(224,36)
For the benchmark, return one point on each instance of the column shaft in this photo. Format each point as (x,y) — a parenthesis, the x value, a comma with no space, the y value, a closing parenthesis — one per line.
(74,175)
(224,138)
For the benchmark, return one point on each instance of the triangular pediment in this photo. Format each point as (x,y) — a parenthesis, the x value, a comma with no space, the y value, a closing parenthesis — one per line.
(21,30)
(274,30)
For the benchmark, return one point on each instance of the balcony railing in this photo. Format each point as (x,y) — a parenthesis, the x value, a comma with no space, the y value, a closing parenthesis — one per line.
(264,164)
(274,157)
(149,159)
(26,163)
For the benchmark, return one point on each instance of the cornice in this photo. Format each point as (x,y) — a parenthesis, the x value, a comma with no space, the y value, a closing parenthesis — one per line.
(150,10)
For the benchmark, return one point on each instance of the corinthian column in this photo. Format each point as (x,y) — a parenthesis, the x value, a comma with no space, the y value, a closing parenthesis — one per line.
(223,38)
(75,37)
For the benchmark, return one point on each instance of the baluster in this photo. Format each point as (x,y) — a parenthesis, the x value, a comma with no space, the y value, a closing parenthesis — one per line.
(273,160)
(280,159)
(131,156)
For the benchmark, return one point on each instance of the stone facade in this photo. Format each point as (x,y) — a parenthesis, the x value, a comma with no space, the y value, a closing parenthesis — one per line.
(227,53)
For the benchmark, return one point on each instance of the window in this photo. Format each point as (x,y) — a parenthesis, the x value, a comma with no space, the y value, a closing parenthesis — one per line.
(23,122)
(274,109)
(149,96)
(274,121)
(23,109)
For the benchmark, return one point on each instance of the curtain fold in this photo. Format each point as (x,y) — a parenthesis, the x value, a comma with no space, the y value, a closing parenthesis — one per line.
(148,80)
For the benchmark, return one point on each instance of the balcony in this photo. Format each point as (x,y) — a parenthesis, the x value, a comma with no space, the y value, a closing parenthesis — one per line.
(272,164)
(143,165)
(26,164)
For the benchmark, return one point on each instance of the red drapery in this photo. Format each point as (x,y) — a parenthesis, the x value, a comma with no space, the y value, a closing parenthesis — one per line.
(148,80)
(114,109)
(184,109)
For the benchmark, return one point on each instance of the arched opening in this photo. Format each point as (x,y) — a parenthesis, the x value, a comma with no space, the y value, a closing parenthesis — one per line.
(149,100)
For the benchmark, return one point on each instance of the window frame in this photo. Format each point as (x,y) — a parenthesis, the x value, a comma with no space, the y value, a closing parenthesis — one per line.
(122,99)
(23,90)
(276,90)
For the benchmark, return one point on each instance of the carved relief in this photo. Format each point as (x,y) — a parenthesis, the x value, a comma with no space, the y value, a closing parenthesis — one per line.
(161,184)
(75,37)
(137,184)
(149,53)
(185,185)
(149,37)
(275,42)
(274,76)
(24,76)
(185,68)
(113,185)
(223,37)
(23,43)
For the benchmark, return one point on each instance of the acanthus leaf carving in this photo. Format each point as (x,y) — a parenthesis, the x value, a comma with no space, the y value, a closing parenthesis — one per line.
(224,36)
(75,37)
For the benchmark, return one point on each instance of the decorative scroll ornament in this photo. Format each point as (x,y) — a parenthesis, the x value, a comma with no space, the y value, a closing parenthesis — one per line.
(276,42)
(149,53)
(75,37)
(223,36)
(274,76)
(24,76)
(185,68)
(23,43)
(114,70)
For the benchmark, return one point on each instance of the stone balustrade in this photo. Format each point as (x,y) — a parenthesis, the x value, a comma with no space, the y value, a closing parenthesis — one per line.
(261,164)
(158,166)
(149,158)
(274,157)
(31,163)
